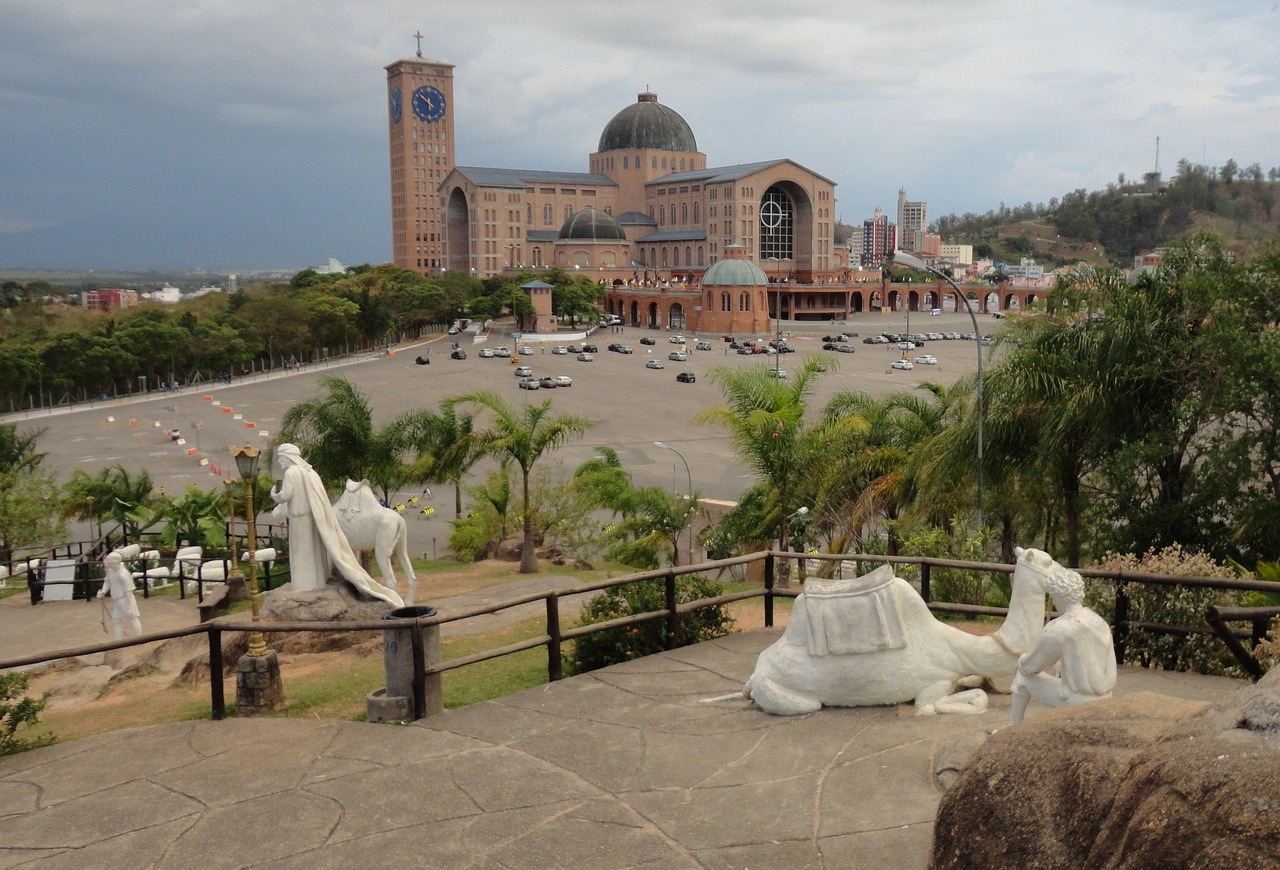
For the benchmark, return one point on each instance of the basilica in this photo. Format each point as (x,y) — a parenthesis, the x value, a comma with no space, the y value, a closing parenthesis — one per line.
(681,243)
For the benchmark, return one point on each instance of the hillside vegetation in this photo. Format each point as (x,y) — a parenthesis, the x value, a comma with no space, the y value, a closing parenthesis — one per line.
(1110,226)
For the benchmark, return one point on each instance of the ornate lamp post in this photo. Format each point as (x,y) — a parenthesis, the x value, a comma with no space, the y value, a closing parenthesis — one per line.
(689,474)
(916,263)
(258,687)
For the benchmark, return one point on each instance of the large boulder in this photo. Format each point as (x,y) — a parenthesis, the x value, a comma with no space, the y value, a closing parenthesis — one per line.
(1141,781)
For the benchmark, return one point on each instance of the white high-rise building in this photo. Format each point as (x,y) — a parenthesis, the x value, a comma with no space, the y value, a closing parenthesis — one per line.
(912,223)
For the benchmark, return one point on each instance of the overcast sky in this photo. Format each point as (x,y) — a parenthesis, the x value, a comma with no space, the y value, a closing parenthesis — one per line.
(236,134)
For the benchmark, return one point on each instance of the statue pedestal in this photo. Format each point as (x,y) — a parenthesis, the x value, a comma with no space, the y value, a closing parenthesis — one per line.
(258,686)
(236,589)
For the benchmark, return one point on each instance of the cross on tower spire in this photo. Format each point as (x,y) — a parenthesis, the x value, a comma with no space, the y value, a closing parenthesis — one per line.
(418,36)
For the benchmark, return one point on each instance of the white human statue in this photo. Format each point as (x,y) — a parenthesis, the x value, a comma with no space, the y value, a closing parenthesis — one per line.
(1074,660)
(316,543)
(118,583)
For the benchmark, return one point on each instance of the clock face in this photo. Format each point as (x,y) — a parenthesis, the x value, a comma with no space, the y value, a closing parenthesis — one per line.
(395,105)
(428,103)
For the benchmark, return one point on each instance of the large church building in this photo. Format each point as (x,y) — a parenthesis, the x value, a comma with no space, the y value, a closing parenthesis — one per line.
(649,217)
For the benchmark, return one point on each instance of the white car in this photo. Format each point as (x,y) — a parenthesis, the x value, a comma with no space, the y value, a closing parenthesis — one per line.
(903,364)
(778,373)
(585,357)
(655,364)
(563,381)
(525,350)
(560,350)
(927,360)
(678,356)
(906,345)
(523,371)
(487,353)
(502,351)
(676,339)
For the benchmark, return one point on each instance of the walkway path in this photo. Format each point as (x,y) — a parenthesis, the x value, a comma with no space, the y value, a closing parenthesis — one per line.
(658,763)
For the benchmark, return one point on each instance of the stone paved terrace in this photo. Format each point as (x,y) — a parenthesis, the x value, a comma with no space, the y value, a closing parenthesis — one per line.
(657,763)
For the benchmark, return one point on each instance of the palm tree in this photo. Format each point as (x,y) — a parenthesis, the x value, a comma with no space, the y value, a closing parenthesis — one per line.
(521,438)
(653,519)
(764,418)
(113,494)
(443,447)
(17,449)
(335,433)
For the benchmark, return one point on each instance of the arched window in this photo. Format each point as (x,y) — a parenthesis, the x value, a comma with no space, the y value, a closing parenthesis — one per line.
(744,302)
(688,256)
(777,225)
(682,164)
(568,212)
(528,218)
(626,162)
(697,212)
(725,304)
(702,256)
(547,214)
(664,257)
(662,215)
(675,256)
(684,213)
(653,162)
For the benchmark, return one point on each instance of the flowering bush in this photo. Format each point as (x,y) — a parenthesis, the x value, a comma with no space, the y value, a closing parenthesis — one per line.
(616,645)
(1168,605)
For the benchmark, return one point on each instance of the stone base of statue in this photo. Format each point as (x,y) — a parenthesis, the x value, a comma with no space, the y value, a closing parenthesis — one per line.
(236,588)
(258,686)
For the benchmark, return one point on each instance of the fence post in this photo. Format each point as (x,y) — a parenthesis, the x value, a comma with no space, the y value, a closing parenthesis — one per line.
(219,703)
(553,632)
(925,579)
(1120,622)
(673,618)
(768,591)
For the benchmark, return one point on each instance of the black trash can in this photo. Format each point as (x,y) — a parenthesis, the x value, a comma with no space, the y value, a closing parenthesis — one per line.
(405,655)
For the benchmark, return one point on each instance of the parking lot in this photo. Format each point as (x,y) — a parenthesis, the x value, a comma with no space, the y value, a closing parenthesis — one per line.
(631,405)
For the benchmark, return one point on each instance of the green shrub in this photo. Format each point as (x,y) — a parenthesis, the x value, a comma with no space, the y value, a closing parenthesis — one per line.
(1167,605)
(616,645)
(17,710)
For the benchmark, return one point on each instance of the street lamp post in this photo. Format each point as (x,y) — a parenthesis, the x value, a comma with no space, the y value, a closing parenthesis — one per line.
(258,686)
(689,474)
(917,263)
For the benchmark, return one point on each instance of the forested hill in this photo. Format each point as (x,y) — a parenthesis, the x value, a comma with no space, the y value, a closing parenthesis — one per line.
(1114,224)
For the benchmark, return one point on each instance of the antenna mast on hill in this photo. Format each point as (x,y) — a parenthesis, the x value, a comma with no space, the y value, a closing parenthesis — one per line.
(1157,169)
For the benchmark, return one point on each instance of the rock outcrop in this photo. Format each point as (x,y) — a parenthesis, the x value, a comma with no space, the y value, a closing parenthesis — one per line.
(1141,781)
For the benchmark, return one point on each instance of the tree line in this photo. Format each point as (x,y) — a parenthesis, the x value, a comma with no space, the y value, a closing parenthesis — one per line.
(54,352)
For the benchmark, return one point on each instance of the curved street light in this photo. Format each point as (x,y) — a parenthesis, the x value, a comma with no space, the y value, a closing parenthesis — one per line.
(688,473)
(916,263)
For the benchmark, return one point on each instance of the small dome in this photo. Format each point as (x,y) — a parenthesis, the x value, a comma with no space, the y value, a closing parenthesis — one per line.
(592,225)
(647,123)
(735,270)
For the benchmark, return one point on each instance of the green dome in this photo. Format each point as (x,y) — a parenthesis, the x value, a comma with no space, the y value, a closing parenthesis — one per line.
(647,123)
(592,225)
(735,270)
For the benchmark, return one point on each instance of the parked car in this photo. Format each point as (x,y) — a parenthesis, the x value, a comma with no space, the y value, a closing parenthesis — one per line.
(585,357)
(573,349)
(502,351)
(845,348)
(678,356)
(906,345)
(590,348)
(687,377)
(523,371)
(703,345)
(676,339)
(830,346)
(529,384)
(904,364)
(458,354)
(526,350)
(933,336)
(487,353)
(648,340)
(726,338)
(626,348)
(927,359)
(548,383)
(560,350)
(655,364)
(563,381)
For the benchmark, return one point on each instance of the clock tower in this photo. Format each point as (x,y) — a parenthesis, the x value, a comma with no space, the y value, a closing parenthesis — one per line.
(420,124)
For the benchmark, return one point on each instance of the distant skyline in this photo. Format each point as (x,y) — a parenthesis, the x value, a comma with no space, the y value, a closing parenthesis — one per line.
(221,135)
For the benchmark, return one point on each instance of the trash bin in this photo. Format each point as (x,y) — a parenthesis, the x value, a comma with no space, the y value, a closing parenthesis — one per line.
(404,647)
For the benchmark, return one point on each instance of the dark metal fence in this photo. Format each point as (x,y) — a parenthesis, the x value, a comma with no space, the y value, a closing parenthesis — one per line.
(556,633)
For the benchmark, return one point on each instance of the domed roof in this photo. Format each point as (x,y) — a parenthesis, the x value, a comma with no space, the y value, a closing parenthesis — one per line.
(592,225)
(734,270)
(647,123)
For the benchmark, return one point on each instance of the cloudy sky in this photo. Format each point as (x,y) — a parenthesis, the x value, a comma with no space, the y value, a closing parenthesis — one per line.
(237,134)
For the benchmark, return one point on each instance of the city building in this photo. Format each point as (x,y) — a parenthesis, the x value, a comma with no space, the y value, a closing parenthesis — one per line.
(912,224)
(879,239)
(107,299)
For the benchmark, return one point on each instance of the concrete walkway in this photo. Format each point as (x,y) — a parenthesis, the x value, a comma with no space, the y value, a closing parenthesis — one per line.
(658,763)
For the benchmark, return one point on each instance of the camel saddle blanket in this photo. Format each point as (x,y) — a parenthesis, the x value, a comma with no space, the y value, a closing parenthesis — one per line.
(854,616)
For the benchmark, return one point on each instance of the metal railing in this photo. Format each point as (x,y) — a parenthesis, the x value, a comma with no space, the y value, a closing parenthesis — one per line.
(556,633)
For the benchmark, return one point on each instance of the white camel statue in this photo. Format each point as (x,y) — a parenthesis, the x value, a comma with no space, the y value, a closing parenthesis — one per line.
(872,640)
(370,526)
